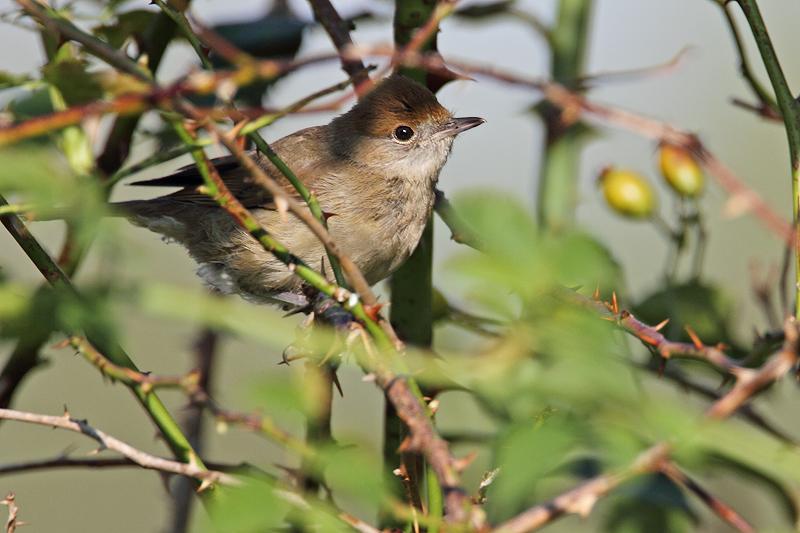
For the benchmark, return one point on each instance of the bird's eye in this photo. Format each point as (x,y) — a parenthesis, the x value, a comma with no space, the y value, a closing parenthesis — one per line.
(403,133)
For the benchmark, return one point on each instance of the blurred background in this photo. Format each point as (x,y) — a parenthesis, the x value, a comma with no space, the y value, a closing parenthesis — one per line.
(501,155)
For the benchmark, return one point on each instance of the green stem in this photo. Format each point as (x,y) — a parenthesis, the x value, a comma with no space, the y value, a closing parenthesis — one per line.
(411,311)
(790,110)
(557,196)
(181,22)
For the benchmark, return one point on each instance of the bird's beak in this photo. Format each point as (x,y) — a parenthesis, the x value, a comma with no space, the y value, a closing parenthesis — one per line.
(454,126)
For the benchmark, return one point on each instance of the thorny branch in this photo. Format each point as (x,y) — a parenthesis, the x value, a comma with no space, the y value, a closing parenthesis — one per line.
(106,441)
(580,500)
(717,506)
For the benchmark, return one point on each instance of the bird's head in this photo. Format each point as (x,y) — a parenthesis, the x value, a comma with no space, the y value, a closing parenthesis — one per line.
(400,128)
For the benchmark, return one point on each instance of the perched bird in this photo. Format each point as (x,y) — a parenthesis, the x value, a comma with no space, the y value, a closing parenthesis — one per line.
(372,169)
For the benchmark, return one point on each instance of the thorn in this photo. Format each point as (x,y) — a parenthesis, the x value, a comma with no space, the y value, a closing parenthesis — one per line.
(66,413)
(373,311)
(660,325)
(335,378)
(461,464)
(695,339)
(433,405)
(614,303)
(283,206)
(406,445)
(662,365)
(596,293)
(61,344)
(205,485)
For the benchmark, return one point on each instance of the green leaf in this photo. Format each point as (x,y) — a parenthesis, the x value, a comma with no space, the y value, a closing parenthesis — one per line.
(131,24)
(526,454)
(69,73)
(256,506)
(8,80)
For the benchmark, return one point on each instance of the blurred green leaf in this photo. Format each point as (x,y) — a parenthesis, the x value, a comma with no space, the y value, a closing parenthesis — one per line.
(68,72)
(527,453)
(31,103)
(8,80)
(485,10)
(354,474)
(131,24)
(256,506)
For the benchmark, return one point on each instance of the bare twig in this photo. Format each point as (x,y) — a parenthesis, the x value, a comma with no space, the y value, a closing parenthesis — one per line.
(143,459)
(12,522)
(339,33)
(751,381)
(720,508)
(205,355)
(581,499)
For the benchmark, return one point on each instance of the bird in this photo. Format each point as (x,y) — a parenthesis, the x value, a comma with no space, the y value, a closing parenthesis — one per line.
(373,170)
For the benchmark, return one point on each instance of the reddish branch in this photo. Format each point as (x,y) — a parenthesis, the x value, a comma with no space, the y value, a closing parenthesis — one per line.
(720,508)
(581,499)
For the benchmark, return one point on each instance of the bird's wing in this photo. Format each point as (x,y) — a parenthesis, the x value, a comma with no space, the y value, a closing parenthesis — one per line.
(304,152)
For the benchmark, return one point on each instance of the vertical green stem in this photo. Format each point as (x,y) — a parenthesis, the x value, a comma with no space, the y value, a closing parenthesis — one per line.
(411,312)
(790,110)
(558,179)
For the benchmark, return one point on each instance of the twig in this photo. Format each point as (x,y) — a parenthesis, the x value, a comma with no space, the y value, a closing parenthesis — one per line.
(91,463)
(339,33)
(205,355)
(59,280)
(720,508)
(12,522)
(582,498)
(748,412)
(199,396)
(143,459)
(768,105)
(790,110)
(750,381)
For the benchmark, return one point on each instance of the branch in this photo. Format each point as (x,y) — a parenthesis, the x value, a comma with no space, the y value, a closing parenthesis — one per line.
(751,381)
(75,462)
(190,384)
(143,459)
(768,105)
(339,32)
(790,110)
(717,506)
(58,279)
(582,498)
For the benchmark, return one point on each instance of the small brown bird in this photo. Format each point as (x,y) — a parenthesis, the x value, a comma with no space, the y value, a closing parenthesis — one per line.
(373,169)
